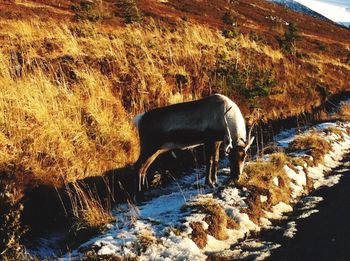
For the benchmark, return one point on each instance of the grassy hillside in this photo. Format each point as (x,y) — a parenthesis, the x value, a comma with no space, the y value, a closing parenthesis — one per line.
(74,73)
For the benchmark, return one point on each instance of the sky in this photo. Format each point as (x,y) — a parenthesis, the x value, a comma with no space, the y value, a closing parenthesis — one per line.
(336,10)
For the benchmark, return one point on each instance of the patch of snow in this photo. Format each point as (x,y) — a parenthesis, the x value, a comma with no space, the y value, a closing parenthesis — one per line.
(251,249)
(308,213)
(278,211)
(233,197)
(263,198)
(174,248)
(310,202)
(265,223)
(48,247)
(285,137)
(291,229)
(298,180)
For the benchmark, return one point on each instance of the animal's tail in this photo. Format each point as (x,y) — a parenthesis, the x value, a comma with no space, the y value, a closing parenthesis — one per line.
(137,118)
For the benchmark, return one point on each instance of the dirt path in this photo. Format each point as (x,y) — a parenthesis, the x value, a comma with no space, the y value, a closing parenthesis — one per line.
(326,234)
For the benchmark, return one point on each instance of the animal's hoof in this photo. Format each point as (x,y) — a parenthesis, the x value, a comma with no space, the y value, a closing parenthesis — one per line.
(232,182)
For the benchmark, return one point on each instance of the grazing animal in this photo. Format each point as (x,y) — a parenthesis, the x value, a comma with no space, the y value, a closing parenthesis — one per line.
(209,121)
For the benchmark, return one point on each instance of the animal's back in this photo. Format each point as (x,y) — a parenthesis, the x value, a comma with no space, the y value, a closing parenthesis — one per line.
(193,119)
(200,114)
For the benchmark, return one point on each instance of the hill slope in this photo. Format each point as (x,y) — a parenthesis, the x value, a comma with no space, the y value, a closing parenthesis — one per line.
(294,5)
(73,73)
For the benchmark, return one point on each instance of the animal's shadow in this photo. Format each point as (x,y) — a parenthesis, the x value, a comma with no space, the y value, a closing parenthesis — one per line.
(48,207)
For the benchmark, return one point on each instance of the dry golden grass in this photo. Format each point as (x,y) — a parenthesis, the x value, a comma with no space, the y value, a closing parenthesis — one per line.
(215,216)
(337,132)
(245,42)
(88,210)
(199,235)
(63,134)
(260,176)
(69,90)
(316,145)
(301,161)
(344,112)
(144,240)
(316,59)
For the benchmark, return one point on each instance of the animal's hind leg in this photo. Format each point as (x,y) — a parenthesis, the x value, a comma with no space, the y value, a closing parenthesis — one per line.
(146,162)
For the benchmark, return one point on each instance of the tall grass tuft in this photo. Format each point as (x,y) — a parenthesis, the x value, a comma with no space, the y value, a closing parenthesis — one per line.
(91,213)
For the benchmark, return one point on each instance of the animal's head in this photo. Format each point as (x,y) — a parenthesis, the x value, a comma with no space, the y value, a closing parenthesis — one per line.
(238,154)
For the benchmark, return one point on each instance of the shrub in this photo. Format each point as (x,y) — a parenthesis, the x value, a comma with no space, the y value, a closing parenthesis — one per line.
(253,36)
(230,32)
(322,46)
(229,18)
(263,84)
(129,10)
(347,61)
(85,11)
(288,44)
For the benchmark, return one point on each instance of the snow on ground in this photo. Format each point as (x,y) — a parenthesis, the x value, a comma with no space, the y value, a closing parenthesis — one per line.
(278,210)
(164,223)
(291,229)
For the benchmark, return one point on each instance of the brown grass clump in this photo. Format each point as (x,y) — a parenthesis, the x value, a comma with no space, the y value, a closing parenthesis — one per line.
(231,223)
(337,132)
(301,161)
(255,207)
(144,240)
(348,131)
(217,219)
(199,235)
(261,174)
(260,179)
(344,112)
(313,143)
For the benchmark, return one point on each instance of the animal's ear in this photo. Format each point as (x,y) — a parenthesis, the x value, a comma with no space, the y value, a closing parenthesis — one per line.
(249,143)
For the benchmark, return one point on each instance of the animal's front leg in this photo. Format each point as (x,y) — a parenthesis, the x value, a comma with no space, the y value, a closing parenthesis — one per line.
(209,149)
(214,169)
